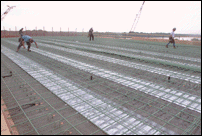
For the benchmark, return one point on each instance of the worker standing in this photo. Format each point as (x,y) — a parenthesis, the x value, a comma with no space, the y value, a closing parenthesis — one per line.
(91,34)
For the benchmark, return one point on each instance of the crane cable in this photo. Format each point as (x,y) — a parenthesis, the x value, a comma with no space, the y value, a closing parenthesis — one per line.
(137,17)
(6,12)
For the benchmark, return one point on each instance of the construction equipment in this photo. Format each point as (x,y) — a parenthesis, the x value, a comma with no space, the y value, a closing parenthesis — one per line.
(6,12)
(137,17)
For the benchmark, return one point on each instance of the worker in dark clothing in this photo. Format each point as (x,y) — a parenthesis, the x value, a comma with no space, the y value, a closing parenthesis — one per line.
(91,34)
(21,40)
(21,32)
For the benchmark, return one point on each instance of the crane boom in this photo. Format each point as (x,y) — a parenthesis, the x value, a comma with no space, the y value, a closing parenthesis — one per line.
(6,12)
(137,17)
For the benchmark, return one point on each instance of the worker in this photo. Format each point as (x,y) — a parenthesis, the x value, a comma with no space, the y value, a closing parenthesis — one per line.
(23,39)
(171,38)
(91,34)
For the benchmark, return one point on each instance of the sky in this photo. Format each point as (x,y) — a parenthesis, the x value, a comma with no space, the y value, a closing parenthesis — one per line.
(104,16)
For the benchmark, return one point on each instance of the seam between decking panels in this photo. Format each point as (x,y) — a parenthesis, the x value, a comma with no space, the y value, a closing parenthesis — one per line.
(113,118)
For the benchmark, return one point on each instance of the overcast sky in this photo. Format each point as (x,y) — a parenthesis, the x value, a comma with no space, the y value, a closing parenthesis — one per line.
(104,16)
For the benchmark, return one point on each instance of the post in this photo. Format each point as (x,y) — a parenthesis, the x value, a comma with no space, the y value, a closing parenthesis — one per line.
(36,31)
(4,33)
(75,33)
(52,31)
(60,31)
(43,31)
(9,32)
(16,31)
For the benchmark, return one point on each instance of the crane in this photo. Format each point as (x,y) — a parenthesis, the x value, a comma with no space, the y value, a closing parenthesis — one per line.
(137,17)
(6,12)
